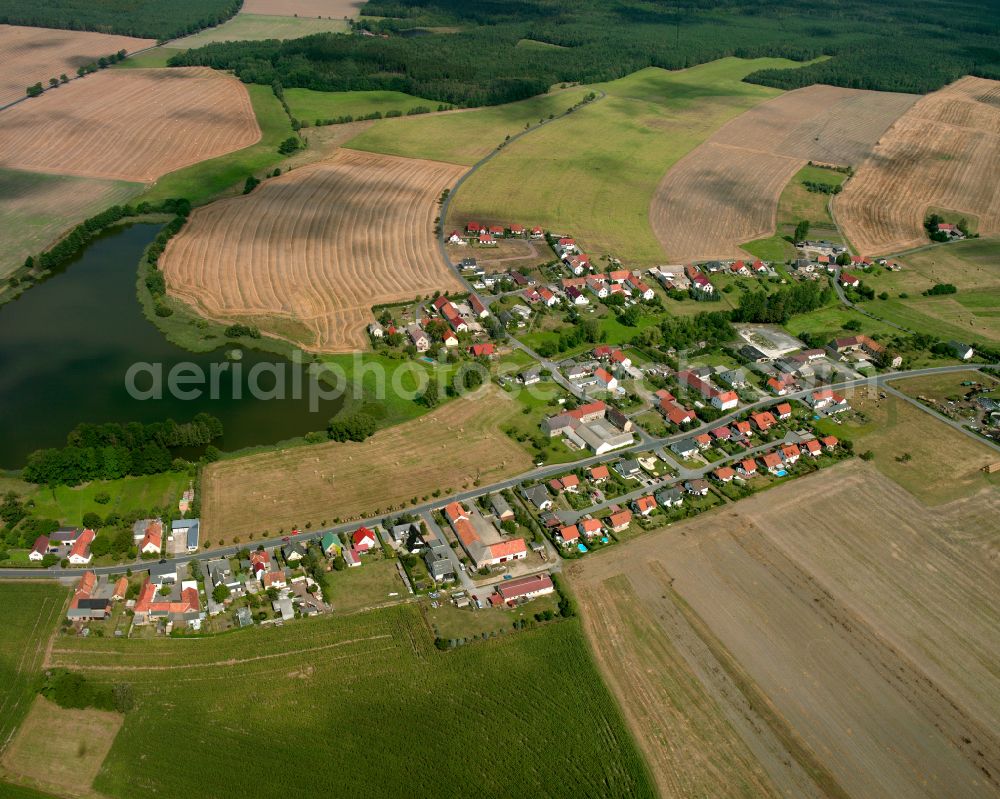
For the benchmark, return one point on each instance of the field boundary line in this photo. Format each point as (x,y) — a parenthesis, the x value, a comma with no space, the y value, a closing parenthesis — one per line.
(227,662)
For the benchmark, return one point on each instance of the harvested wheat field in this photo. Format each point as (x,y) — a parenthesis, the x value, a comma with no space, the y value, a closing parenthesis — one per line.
(318,246)
(447,449)
(130,124)
(725,191)
(834,627)
(337,9)
(33,55)
(944,152)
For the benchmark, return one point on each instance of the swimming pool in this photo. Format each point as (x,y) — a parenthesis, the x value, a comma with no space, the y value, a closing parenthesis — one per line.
(581,547)
(781,473)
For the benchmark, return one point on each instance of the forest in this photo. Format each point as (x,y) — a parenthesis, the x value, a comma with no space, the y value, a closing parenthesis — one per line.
(111,451)
(893,46)
(146,19)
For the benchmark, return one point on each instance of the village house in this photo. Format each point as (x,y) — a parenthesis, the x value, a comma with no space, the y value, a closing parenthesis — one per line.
(644,505)
(537,496)
(724,474)
(772,462)
(763,421)
(599,474)
(330,545)
(260,563)
(747,468)
(741,429)
(524,589)
(670,497)
(421,341)
(363,540)
(568,535)
(40,548)
(186,609)
(184,533)
(587,428)
(790,453)
(620,520)
(79,553)
(784,410)
(723,400)
(589,528)
(483,555)
(813,448)
(697,488)
(685,448)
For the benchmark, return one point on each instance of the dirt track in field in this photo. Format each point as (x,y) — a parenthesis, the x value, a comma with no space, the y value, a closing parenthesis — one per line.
(849,635)
(337,9)
(317,248)
(725,192)
(134,124)
(33,55)
(944,152)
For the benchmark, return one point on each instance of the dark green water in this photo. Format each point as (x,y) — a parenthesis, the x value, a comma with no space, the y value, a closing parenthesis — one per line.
(67,344)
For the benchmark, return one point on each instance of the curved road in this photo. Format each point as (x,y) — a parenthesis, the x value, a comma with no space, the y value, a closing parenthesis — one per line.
(646,443)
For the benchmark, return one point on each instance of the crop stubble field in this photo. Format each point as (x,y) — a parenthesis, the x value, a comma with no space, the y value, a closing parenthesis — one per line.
(341,691)
(725,192)
(846,633)
(319,246)
(133,125)
(33,55)
(445,449)
(944,152)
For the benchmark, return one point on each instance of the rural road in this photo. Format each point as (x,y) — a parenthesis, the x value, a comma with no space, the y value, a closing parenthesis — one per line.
(541,473)
(443,216)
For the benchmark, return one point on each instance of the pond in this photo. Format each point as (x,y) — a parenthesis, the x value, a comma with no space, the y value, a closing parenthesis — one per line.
(67,344)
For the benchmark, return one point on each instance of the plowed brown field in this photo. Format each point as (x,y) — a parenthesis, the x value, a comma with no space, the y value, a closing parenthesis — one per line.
(338,9)
(131,124)
(842,633)
(319,246)
(32,55)
(944,152)
(725,192)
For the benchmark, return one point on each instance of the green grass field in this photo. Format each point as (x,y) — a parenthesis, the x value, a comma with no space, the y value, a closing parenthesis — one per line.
(462,137)
(338,697)
(829,322)
(593,174)
(152,59)
(206,181)
(251,27)
(972,314)
(28,615)
(36,208)
(128,494)
(310,105)
(796,204)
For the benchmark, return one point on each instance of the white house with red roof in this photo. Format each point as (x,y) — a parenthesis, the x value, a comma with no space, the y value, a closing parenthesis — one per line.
(605,379)
(363,539)
(40,549)
(79,554)
(568,535)
(589,528)
(620,520)
(644,505)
